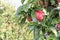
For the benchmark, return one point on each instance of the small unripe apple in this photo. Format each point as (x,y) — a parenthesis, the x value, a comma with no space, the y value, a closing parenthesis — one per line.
(39,15)
(58,26)
(29,18)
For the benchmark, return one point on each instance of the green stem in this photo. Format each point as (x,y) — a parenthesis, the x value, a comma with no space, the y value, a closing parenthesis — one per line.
(36,33)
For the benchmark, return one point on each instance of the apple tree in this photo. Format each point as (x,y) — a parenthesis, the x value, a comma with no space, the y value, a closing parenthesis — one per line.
(42,17)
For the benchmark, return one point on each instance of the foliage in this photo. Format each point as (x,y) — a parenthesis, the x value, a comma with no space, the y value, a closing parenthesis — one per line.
(45,29)
(18,27)
(9,29)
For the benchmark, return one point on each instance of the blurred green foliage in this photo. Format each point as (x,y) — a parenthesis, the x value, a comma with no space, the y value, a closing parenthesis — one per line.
(9,29)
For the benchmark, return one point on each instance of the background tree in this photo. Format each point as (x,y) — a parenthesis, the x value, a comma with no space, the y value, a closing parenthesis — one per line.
(9,28)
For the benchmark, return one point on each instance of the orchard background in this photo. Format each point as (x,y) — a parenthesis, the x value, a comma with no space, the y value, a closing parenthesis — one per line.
(33,20)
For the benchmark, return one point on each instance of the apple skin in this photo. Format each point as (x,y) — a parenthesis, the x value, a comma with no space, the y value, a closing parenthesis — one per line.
(39,15)
(29,18)
(58,1)
(58,26)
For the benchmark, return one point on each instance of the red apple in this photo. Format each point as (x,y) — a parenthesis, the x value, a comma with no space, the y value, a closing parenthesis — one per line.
(39,15)
(58,1)
(58,26)
(29,18)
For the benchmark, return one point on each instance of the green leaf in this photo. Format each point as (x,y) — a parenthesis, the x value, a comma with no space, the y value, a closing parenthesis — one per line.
(26,7)
(56,20)
(22,1)
(31,28)
(53,30)
(1,11)
(36,33)
(52,2)
(32,14)
(19,10)
(32,1)
(58,33)
(23,8)
(35,1)
(22,21)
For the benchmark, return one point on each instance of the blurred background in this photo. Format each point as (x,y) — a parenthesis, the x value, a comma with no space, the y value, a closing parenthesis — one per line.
(9,29)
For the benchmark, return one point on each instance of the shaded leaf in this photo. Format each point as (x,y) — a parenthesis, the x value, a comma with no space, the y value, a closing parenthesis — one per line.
(32,1)
(52,2)
(23,8)
(32,14)
(31,28)
(22,1)
(56,20)
(1,11)
(36,33)
(54,30)
(23,21)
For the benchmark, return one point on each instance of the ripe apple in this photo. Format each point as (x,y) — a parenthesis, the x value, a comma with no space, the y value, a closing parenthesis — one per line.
(39,15)
(58,26)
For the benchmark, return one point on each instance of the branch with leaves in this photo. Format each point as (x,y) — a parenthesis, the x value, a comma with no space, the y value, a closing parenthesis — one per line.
(41,18)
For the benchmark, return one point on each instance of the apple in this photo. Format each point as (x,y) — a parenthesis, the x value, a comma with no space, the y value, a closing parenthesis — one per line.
(58,1)
(58,26)
(29,18)
(39,15)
